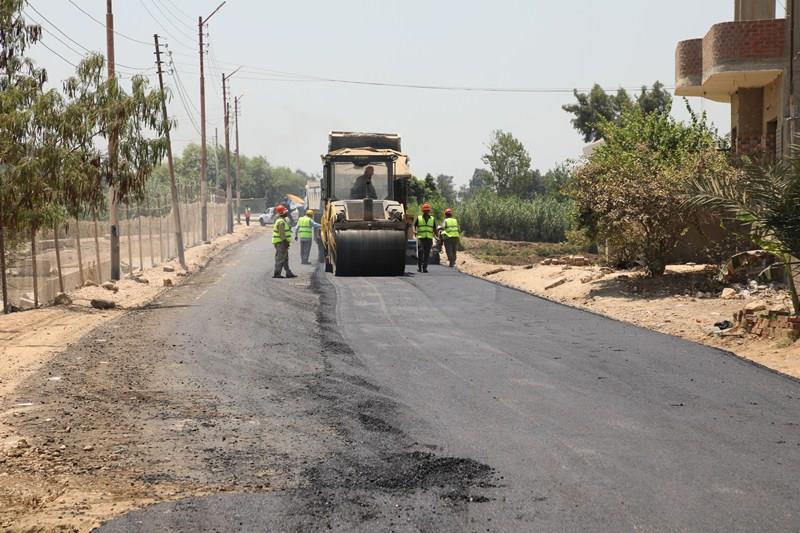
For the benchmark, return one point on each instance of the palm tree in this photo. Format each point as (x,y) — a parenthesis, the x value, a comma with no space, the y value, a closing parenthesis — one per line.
(763,199)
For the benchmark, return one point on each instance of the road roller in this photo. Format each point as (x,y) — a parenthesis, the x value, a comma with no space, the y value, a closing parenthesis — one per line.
(363,203)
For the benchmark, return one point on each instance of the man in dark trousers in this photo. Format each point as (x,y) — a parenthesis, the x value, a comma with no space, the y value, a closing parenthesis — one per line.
(425,226)
(363,187)
(281,238)
(452,235)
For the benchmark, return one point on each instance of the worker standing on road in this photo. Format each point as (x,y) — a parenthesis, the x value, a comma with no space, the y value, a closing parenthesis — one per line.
(281,238)
(424,226)
(247,214)
(304,230)
(452,235)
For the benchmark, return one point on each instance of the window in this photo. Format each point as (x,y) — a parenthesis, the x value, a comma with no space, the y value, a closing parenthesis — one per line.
(346,174)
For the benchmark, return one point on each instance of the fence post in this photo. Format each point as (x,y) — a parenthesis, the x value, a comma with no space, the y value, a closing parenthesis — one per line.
(139,223)
(160,232)
(150,231)
(35,270)
(78,248)
(58,258)
(99,272)
(130,238)
(3,279)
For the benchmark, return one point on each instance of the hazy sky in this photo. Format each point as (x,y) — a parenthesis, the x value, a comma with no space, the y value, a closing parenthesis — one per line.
(476,43)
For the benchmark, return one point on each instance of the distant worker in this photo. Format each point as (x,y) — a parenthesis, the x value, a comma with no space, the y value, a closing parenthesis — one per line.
(281,238)
(363,188)
(425,228)
(452,235)
(304,230)
(247,215)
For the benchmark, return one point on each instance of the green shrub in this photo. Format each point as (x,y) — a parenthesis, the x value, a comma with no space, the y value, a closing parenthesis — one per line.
(510,218)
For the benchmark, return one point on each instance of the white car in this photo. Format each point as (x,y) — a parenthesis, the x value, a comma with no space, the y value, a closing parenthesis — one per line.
(267,217)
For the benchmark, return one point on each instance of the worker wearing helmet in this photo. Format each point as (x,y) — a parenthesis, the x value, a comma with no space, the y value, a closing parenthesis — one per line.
(425,227)
(304,230)
(452,235)
(281,238)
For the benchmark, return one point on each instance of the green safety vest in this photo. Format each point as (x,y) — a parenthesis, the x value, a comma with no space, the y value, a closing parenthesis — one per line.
(425,229)
(276,232)
(451,228)
(304,229)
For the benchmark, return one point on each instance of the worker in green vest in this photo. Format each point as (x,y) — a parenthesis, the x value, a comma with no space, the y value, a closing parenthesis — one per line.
(304,231)
(281,238)
(425,226)
(452,234)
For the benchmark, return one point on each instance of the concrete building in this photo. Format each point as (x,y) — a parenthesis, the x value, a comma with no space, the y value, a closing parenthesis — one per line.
(744,63)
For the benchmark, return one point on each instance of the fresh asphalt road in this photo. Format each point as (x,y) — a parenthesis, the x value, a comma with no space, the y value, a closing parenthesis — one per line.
(441,402)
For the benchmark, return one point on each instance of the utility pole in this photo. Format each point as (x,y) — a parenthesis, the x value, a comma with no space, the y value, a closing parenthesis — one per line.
(238,163)
(113,215)
(228,186)
(203,148)
(176,214)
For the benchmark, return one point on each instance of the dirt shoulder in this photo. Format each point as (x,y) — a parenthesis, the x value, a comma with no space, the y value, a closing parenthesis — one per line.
(37,474)
(681,303)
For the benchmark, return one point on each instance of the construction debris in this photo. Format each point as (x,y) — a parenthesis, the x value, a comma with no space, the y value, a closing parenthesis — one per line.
(62,298)
(556,283)
(99,303)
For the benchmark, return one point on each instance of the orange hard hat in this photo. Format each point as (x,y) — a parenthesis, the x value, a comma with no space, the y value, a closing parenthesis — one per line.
(448,211)
(426,207)
(280,209)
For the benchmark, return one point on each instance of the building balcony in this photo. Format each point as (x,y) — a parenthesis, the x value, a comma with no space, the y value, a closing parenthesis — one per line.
(732,56)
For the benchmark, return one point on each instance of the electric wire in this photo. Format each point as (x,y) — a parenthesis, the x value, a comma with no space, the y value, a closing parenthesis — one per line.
(169,19)
(167,33)
(101,23)
(183,96)
(73,50)
(297,77)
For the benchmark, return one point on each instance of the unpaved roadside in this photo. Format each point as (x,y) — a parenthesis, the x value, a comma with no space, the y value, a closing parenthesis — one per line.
(64,471)
(670,305)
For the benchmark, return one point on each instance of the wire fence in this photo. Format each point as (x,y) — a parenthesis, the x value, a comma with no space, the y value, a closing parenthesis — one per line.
(65,258)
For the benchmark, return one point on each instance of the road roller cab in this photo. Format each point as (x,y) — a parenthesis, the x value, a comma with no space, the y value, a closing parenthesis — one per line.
(364,194)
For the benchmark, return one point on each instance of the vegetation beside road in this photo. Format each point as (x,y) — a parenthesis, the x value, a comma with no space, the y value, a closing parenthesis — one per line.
(514,252)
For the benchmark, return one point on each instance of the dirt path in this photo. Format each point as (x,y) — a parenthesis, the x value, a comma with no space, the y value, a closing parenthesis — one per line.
(60,459)
(681,304)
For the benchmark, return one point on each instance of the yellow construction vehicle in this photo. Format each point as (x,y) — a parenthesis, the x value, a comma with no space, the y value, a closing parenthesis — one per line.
(364,195)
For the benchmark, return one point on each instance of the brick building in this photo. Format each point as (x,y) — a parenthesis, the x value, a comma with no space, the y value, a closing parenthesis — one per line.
(744,63)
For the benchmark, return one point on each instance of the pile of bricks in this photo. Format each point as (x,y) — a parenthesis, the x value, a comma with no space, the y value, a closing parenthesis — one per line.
(770,324)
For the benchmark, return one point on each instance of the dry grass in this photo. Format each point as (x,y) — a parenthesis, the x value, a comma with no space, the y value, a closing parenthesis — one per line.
(516,253)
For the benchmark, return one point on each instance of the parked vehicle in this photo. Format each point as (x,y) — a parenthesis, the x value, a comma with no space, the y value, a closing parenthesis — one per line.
(267,217)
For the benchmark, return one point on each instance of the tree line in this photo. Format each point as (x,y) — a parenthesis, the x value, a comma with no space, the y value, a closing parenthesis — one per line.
(258,178)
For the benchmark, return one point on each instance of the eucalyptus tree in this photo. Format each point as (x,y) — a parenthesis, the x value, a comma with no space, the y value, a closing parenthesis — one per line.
(132,119)
(20,85)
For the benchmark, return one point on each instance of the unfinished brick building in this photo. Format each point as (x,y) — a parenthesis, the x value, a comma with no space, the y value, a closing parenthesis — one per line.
(743,63)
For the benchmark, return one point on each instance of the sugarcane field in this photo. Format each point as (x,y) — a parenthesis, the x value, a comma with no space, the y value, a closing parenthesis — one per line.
(399,266)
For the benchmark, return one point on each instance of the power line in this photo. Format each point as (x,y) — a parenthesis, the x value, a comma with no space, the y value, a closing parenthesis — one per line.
(163,28)
(178,9)
(297,78)
(67,45)
(59,55)
(183,96)
(79,8)
(169,18)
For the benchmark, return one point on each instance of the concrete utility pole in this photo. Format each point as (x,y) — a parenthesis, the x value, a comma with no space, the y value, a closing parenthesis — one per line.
(229,185)
(201,22)
(113,215)
(238,162)
(176,213)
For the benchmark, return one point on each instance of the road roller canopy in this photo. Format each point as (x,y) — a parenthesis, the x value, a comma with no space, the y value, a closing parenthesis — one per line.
(401,160)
